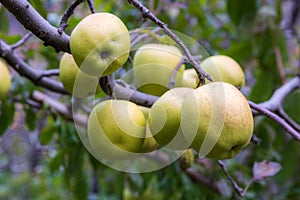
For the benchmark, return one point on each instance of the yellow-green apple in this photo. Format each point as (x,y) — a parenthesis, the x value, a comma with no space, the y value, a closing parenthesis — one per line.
(153,65)
(75,81)
(100,44)
(190,78)
(218,118)
(149,143)
(116,129)
(5,80)
(224,68)
(165,117)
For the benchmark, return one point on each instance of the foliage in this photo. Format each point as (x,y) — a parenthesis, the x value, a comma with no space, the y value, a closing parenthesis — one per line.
(249,31)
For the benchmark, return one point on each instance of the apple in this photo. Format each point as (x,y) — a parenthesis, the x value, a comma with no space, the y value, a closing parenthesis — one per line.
(165,117)
(74,81)
(149,143)
(190,78)
(153,65)
(100,44)
(5,80)
(116,129)
(224,68)
(218,119)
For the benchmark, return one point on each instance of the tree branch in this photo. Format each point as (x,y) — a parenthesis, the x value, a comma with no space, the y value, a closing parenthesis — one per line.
(110,87)
(23,69)
(278,96)
(172,79)
(276,118)
(67,14)
(234,184)
(35,23)
(22,41)
(61,108)
(148,14)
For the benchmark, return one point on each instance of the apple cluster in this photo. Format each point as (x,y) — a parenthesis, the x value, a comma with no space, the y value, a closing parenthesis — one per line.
(214,119)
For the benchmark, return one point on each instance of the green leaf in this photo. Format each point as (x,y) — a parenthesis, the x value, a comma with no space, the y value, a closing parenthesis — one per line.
(263,88)
(57,161)
(291,105)
(7,111)
(47,134)
(30,119)
(39,6)
(81,185)
(4,25)
(241,12)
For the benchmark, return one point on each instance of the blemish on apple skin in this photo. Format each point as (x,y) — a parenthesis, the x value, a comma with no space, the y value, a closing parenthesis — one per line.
(104,54)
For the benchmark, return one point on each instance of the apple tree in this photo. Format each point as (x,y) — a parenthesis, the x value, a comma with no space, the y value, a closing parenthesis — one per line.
(43,150)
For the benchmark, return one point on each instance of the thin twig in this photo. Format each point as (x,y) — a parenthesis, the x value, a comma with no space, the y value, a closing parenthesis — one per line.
(50,72)
(255,140)
(59,107)
(67,14)
(139,38)
(22,41)
(276,118)
(147,14)
(91,6)
(172,79)
(288,119)
(234,184)
(28,102)
(280,68)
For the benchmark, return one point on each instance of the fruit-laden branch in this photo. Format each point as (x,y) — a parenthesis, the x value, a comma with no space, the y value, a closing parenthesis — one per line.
(22,68)
(148,14)
(34,22)
(110,87)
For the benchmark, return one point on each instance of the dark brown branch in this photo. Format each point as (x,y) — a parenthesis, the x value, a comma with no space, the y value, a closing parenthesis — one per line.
(35,23)
(50,72)
(67,14)
(234,184)
(22,41)
(91,6)
(289,129)
(148,14)
(23,69)
(114,90)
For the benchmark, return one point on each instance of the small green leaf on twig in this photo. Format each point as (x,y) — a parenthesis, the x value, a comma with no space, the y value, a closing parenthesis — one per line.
(265,169)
